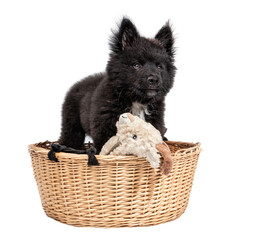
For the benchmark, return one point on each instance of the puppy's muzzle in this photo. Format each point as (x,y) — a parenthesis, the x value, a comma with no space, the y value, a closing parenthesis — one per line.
(153,82)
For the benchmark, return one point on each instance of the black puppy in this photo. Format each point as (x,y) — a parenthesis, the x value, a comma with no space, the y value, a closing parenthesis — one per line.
(139,74)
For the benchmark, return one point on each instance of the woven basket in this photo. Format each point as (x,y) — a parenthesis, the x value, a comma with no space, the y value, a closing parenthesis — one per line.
(123,191)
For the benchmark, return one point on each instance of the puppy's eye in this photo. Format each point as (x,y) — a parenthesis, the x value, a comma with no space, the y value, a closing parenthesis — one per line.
(134,136)
(159,67)
(137,66)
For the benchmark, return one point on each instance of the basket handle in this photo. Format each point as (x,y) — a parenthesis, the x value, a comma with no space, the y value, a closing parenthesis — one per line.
(91,151)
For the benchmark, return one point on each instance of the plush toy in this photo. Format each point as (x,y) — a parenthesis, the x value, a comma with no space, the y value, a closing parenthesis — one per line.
(137,137)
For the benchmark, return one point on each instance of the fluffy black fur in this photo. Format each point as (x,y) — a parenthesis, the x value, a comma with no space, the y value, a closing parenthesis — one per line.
(139,70)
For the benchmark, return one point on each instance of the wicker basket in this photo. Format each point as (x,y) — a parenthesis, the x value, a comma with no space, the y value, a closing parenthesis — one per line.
(123,191)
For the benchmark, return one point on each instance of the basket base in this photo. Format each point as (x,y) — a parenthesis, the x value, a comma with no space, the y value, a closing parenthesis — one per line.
(149,219)
(116,223)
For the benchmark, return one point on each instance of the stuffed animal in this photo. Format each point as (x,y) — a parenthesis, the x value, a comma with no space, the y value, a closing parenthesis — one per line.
(137,137)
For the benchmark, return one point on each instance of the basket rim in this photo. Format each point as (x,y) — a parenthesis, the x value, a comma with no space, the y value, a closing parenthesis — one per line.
(187,148)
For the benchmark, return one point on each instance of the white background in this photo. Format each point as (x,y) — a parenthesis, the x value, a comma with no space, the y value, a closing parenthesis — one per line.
(46,46)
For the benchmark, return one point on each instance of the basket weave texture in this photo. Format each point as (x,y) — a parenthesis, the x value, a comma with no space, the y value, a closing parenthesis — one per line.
(123,191)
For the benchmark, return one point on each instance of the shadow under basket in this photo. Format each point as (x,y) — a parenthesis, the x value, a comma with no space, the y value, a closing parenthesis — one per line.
(123,191)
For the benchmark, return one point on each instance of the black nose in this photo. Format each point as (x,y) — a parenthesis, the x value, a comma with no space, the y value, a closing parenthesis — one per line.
(153,81)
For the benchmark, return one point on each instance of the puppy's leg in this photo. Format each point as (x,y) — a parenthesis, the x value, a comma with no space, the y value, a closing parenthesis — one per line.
(72,133)
(99,141)
(102,129)
(156,118)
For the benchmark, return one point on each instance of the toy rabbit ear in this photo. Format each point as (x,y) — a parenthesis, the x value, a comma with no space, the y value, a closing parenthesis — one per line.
(126,118)
(131,117)
(110,145)
(167,163)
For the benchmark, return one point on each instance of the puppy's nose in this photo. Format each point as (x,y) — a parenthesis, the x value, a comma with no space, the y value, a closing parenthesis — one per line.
(153,80)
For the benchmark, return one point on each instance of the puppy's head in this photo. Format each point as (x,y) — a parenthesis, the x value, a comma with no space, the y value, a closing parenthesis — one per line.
(141,68)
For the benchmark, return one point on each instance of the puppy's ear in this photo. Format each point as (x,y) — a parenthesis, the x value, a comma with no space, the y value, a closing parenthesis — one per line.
(124,37)
(165,37)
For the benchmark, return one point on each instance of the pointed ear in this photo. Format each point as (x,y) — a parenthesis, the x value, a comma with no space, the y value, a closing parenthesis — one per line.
(124,37)
(165,37)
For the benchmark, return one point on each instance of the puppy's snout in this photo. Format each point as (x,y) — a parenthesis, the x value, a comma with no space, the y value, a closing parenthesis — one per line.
(153,81)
